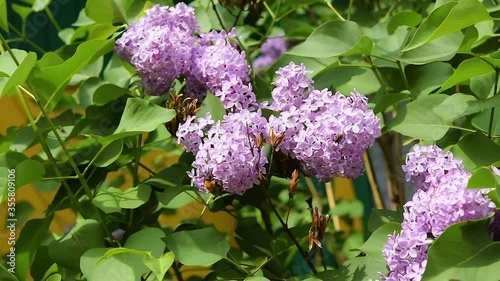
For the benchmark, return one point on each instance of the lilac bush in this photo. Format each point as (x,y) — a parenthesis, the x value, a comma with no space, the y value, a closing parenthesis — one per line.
(220,115)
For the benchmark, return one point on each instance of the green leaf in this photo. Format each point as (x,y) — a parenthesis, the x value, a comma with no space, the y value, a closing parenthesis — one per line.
(447,19)
(476,150)
(52,79)
(300,3)
(4,23)
(335,75)
(384,101)
(379,217)
(418,121)
(256,278)
(116,72)
(39,5)
(376,242)
(356,269)
(86,234)
(441,49)
(213,105)
(464,251)
(349,208)
(482,178)
(467,69)
(44,266)
(160,266)
(482,122)
(334,38)
(108,153)
(128,265)
(112,199)
(102,31)
(170,193)
(142,116)
(483,85)
(191,248)
(22,11)
(117,251)
(426,78)
(455,106)
(29,171)
(106,11)
(403,18)
(55,277)
(312,64)
(32,234)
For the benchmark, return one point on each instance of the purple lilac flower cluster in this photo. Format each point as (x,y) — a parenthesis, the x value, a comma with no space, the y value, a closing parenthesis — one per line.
(270,52)
(226,151)
(167,44)
(442,199)
(159,45)
(218,67)
(327,132)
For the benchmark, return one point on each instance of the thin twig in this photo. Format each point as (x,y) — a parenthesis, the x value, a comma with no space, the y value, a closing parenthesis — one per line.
(375,188)
(331,203)
(290,234)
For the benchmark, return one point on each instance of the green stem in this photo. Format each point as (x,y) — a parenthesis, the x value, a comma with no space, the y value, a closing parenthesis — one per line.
(314,192)
(236,266)
(37,132)
(217,14)
(349,10)
(9,50)
(52,19)
(177,271)
(60,178)
(6,271)
(147,169)
(137,158)
(327,2)
(47,152)
(269,10)
(403,75)
(377,75)
(79,175)
(384,58)
(28,41)
(290,234)
(492,114)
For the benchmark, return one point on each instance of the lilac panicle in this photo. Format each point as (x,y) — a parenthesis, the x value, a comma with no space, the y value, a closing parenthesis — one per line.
(291,87)
(220,68)
(442,199)
(228,153)
(159,45)
(191,132)
(327,132)
(429,166)
(270,51)
(406,256)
